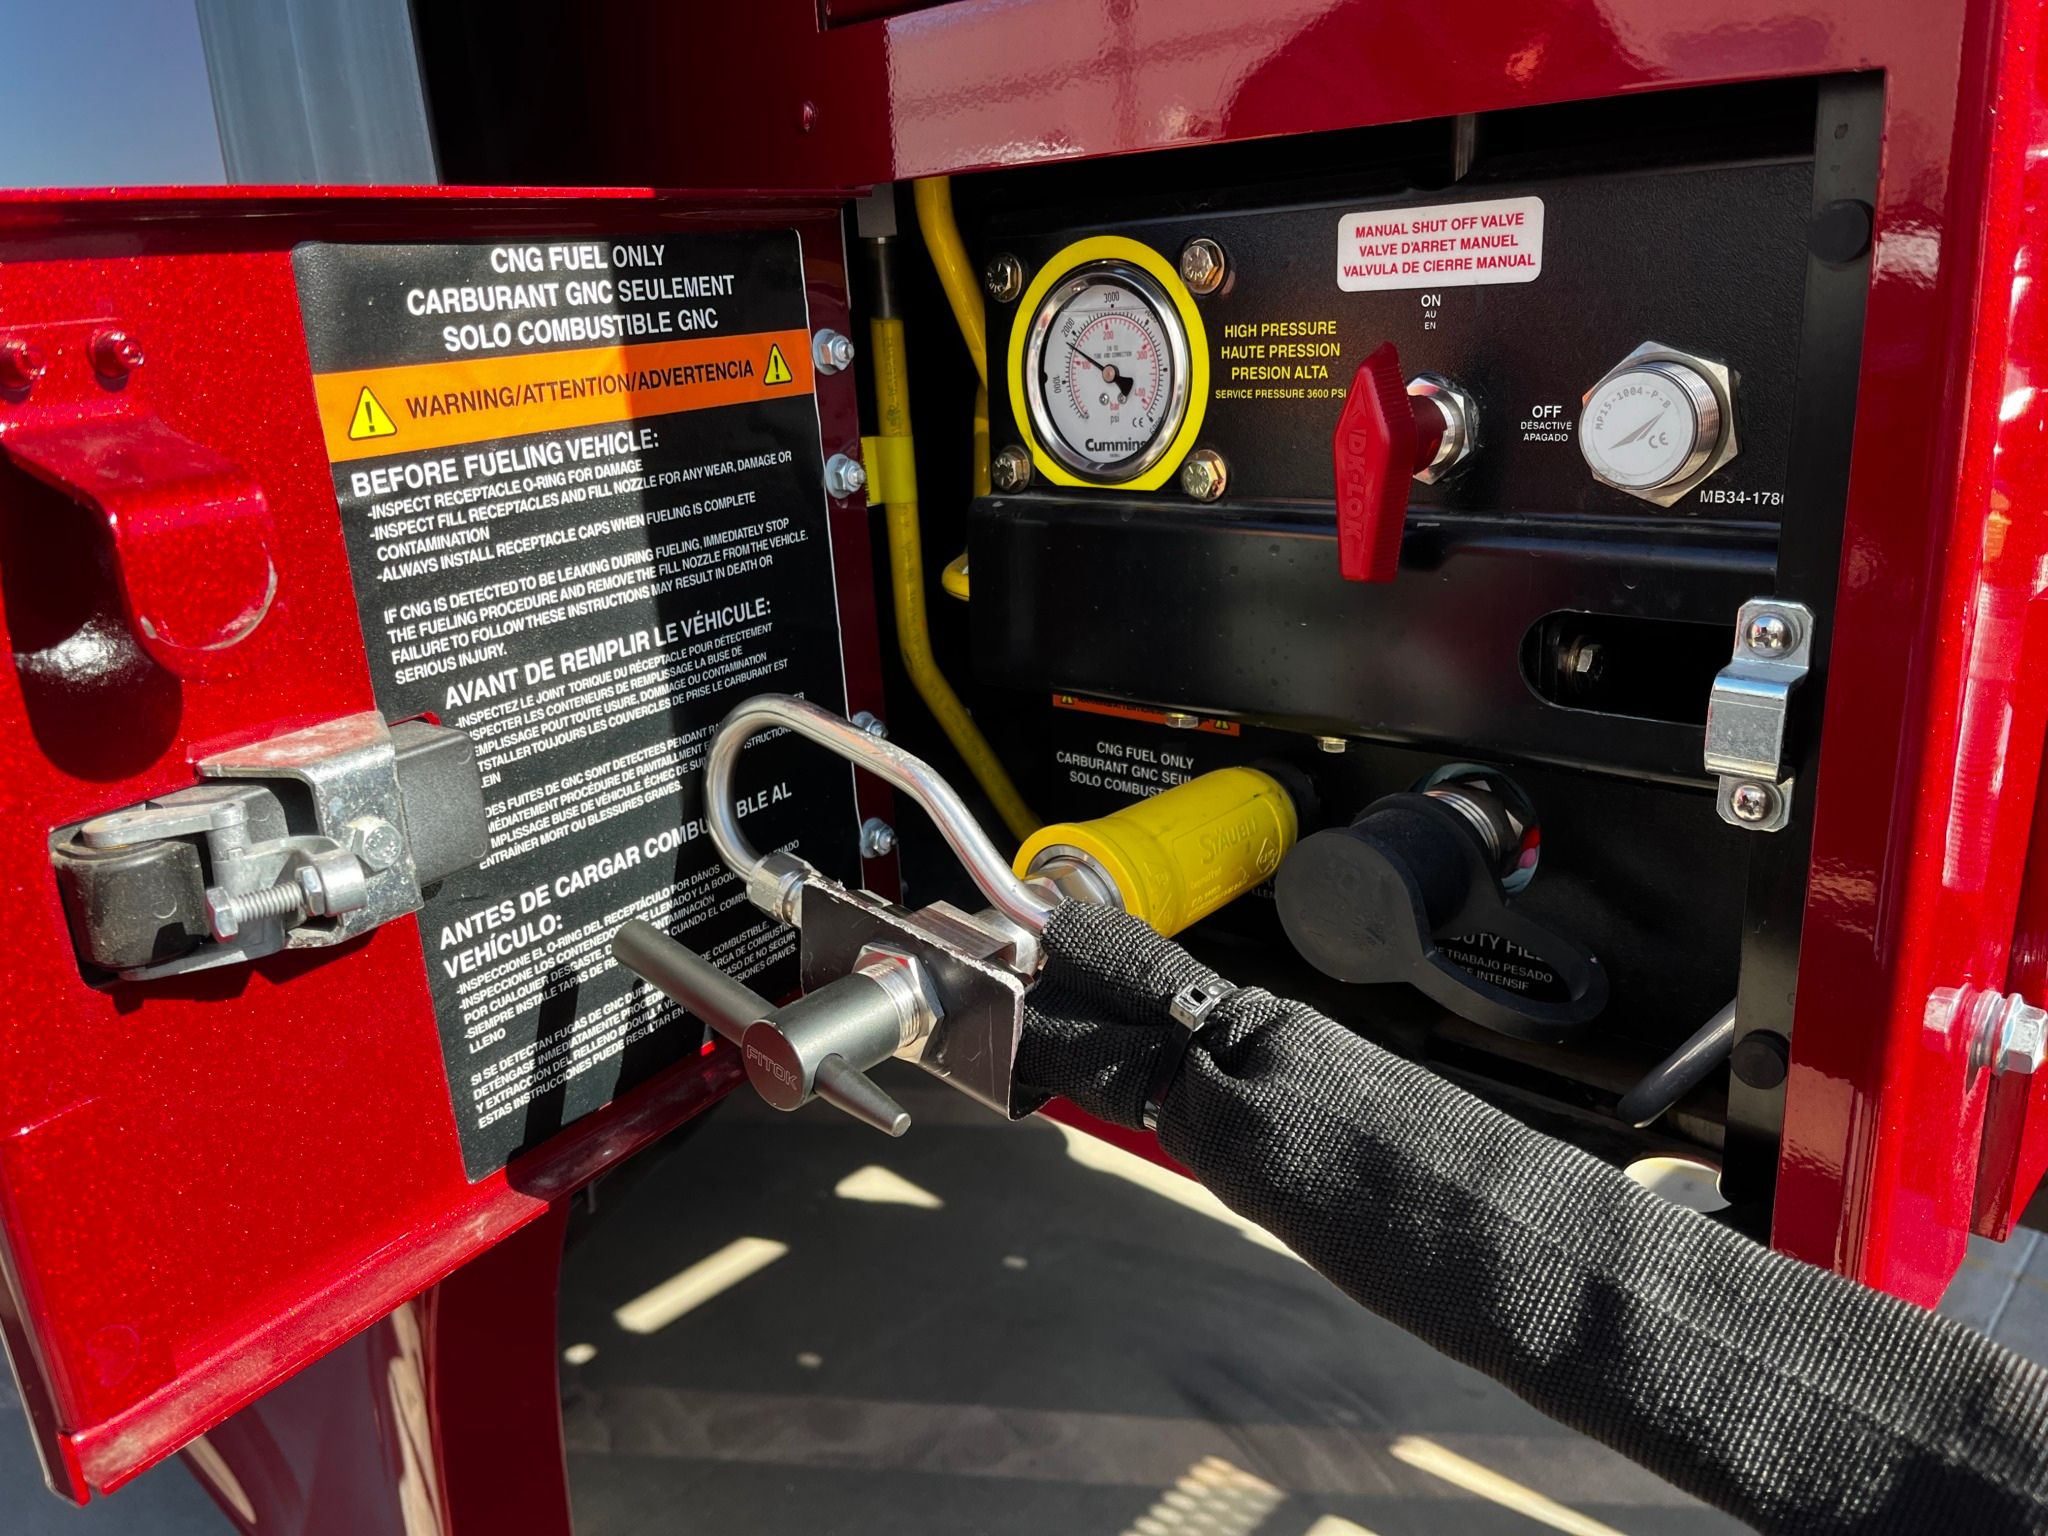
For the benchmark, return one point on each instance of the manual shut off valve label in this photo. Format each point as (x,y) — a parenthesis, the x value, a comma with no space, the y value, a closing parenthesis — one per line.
(582,495)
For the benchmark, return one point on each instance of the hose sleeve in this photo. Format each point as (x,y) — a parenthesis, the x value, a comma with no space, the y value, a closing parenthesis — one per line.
(1787,1396)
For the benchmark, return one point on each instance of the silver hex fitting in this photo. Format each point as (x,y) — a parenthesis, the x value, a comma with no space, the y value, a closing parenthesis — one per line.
(776,884)
(1460,413)
(909,985)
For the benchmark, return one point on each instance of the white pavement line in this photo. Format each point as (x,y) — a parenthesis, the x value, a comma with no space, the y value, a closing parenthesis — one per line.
(881,1186)
(1100,1157)
(692,1287)
(1211,1498)
(1440,1461)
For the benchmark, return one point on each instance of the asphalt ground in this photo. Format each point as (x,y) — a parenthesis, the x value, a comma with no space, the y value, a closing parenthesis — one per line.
(789,1325)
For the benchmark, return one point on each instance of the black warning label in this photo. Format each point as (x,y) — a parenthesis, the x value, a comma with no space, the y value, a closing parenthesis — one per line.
(581,489)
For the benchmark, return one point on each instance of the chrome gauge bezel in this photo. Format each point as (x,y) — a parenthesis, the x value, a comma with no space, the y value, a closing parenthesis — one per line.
(1179,356)
(1709,459)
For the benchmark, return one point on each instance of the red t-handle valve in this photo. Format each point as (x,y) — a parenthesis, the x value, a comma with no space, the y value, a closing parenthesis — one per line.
(1383,437)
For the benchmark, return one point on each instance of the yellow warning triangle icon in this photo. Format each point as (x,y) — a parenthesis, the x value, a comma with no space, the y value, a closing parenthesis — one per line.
(370,418)
(778,369)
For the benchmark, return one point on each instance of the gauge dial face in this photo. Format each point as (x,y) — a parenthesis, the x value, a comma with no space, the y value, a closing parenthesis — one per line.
(1649,426)
(1106,372)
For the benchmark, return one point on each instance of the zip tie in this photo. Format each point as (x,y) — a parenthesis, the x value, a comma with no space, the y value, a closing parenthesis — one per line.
(1191,1007)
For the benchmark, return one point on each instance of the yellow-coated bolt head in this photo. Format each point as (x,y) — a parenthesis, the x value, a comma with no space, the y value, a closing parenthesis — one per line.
(1204,474)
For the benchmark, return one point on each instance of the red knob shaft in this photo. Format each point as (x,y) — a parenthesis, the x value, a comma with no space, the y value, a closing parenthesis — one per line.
(1383,437)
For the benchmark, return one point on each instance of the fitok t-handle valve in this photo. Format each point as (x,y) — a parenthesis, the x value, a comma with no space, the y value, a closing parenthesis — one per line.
(818,1046)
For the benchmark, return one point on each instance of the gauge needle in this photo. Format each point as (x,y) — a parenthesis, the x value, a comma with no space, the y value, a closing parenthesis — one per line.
(1655,417)
(1108,372)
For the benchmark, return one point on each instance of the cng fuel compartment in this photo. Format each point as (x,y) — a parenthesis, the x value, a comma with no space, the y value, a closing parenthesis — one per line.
(544,470)
(1560,631)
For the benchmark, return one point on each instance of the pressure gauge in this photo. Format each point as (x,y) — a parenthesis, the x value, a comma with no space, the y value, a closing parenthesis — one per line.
(1659,423)
(1106,371)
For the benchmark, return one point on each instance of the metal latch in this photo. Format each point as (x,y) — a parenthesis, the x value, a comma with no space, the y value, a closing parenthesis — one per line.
(303,840)
(1747,711)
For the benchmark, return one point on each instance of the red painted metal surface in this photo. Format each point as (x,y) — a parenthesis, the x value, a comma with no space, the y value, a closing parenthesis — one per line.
(205,1183)
(1936,696)
(443,1417)
(207,1201)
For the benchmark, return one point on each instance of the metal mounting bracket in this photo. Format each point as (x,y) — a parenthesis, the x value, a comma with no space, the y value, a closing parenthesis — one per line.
(1748,709)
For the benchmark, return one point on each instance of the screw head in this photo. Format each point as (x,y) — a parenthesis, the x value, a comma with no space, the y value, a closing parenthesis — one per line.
(1752,802)
(1203,475)
(1769,634)
(877,838)
(1010,470)
(1003,278)
(1181,720)
(115,354)
(1331,744)
(21,364)
(1202,266)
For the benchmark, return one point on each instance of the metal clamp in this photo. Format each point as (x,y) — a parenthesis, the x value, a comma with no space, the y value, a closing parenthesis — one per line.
(1748,709)
(302,841)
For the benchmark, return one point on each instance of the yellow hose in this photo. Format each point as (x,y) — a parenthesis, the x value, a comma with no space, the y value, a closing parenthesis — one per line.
(906,574)
(934,198)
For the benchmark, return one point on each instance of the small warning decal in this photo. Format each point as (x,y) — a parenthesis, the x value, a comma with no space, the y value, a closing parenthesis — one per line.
(370,419)
(1446,245)
(778,369)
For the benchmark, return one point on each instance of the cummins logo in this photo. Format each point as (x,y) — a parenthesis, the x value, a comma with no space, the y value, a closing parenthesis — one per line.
(775,1069)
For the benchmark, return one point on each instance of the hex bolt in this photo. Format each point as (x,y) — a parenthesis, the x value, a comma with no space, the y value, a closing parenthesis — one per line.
(877,838)
(1010,470)
(115,354)
(1204,475)
(844,476)
(1332,744)
(1003,278)
(21,364)
(1769,634)
(831,351)
(228,915)
(1752,802)
(1201,266)
(375,841)
(872,723)
(1583,661)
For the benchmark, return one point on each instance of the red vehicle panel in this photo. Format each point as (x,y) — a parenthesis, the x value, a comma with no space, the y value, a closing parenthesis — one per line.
(211,1180)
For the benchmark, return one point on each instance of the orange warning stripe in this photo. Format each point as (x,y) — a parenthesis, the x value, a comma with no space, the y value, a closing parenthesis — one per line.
(442,405)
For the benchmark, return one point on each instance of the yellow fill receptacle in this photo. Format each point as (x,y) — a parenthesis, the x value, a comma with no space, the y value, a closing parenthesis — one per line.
(1176,857)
